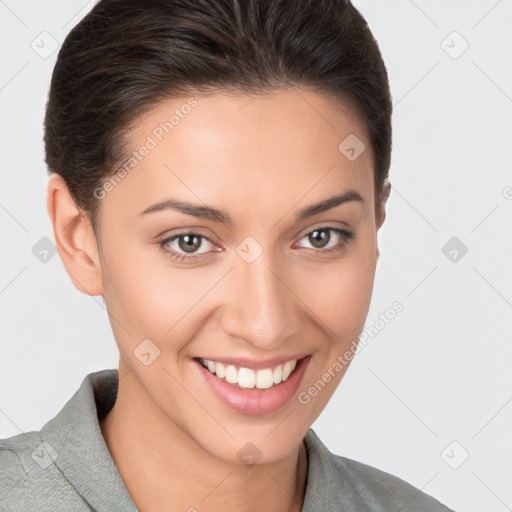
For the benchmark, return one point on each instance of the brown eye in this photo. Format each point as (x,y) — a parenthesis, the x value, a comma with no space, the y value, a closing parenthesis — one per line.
(319,238)
(186,245)
(189,243)
(322,239)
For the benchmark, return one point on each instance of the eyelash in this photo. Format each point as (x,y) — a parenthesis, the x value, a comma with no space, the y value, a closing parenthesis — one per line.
(345,238)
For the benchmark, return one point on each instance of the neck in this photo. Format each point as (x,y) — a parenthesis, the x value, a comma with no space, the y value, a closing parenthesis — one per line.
(163,468)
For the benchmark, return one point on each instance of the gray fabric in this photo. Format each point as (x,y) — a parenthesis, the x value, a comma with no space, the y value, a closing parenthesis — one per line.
(67,466)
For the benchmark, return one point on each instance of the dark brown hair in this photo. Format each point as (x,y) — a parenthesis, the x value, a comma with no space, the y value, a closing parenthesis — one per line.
(126,55)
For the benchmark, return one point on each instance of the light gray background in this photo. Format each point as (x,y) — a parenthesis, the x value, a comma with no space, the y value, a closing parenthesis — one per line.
(440,371)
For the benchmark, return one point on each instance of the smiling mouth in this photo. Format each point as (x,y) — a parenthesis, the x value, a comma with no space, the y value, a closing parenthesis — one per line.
(248,378)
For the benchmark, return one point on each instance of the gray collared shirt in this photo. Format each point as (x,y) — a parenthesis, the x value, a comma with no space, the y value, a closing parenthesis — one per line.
(67,466)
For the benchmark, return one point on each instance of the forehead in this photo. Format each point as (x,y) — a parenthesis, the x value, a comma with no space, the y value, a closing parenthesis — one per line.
(284,144)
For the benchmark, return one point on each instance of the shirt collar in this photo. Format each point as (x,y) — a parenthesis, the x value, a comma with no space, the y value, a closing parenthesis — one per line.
(82,453)
(85,461)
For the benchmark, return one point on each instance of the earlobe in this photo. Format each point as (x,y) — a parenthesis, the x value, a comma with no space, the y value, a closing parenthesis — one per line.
(74,237)
(381,210)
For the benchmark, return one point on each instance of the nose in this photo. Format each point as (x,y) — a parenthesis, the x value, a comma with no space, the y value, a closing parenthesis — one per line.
(259,307)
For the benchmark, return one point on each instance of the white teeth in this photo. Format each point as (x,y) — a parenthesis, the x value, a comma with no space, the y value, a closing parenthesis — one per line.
(264,378)
(278,374)
(231,374)
(248,378)
(220,370)
(288,368)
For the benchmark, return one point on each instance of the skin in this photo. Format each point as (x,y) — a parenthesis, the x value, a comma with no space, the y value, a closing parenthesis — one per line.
(260,159)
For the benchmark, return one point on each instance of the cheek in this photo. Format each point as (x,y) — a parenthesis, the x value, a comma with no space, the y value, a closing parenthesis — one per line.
(148,298)
(339,294)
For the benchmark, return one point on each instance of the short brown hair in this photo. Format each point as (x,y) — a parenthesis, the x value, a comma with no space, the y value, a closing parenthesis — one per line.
(126,55)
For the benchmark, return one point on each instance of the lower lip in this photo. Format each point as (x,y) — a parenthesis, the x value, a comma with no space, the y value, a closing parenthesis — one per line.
(254,400)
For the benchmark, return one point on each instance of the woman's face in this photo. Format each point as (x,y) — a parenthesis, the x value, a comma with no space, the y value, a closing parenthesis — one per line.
(262,280)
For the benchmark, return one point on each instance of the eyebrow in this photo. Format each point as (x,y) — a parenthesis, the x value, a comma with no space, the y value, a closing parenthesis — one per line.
(206,212)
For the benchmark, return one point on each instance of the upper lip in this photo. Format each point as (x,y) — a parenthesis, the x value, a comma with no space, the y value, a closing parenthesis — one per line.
(254,364)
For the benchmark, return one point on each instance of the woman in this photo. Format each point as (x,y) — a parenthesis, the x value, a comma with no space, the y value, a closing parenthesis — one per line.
(218,175)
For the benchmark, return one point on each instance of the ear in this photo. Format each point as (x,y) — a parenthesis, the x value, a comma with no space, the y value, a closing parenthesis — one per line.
(380,214)
(75,238)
